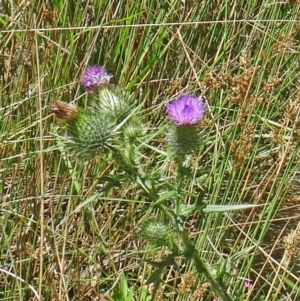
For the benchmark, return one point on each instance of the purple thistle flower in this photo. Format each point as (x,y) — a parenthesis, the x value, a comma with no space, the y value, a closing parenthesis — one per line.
(94,77)
(186,110)
(248,284)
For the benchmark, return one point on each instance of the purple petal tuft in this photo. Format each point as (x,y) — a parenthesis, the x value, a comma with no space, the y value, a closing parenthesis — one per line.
(186,110)
(94,77)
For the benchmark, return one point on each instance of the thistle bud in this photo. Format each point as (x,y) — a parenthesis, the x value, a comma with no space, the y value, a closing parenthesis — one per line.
(112,103)
(133,129)
(89,133)
(156,233)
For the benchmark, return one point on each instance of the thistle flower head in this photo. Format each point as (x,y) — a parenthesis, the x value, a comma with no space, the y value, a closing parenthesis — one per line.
(186,110)
(94,77)
(184,136)
(248,284)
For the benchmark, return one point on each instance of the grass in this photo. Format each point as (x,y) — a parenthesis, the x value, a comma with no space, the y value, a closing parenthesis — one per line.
(60,240)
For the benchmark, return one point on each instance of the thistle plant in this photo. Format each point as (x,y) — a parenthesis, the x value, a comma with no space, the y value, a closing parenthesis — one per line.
(111,125)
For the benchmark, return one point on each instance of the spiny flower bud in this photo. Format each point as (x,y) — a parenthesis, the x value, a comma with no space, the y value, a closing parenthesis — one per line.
(186,113)
(89,133)
(156,233)
(94,78)
(112,103)
(133,129)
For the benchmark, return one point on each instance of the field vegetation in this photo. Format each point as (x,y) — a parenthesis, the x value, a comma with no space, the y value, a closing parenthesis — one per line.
(77,228)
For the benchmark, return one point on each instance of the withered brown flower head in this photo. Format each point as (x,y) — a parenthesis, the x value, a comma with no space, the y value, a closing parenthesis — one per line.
(63,110)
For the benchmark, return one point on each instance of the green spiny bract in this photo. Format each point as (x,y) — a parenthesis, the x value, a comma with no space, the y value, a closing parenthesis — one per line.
(89,133)
(112,103)
(156,233)
(184,139)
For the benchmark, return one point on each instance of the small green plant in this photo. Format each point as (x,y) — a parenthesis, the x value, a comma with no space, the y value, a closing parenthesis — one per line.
(123,292)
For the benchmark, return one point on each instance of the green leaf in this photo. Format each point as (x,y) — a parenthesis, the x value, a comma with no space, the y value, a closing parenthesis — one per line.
(225,208)
(166,196)
(111,183)
(293,286)
(86,202)
(155,277)
(124,286)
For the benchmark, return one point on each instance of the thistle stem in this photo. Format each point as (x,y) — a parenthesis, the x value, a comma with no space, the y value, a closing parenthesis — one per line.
(202,268)
(189,249)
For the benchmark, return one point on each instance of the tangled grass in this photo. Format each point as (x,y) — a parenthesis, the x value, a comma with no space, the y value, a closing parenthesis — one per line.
(59,242)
